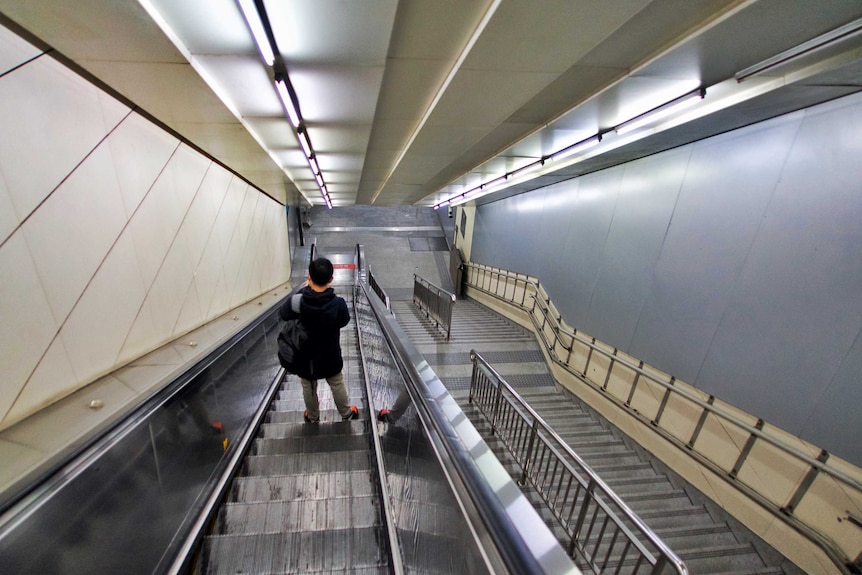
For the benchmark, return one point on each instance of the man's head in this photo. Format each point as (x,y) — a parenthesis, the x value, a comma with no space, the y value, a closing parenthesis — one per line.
(320,272)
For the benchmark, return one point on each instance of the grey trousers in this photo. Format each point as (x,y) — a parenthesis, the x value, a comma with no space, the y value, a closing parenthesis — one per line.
(339,394)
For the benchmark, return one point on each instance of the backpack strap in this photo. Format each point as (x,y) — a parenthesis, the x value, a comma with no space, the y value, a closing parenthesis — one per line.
(295,301)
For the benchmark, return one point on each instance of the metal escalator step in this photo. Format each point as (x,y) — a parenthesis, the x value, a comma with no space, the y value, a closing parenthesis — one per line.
(310,444)
(298,464)
(296,515)
(282,430)
(284,487)
(332,552)
(296,405)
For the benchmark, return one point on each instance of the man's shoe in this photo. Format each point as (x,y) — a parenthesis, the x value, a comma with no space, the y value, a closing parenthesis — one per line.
(308,419)
(354,413)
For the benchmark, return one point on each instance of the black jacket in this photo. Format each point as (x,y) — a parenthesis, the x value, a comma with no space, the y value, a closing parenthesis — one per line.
(323,314)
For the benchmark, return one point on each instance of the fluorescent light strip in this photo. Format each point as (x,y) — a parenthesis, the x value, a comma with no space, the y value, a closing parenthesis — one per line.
(306,145)
(662,111)
(252,17)
(292,113)
(832,37)
(576,148)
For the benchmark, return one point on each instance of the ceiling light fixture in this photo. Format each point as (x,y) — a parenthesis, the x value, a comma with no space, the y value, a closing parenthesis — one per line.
(516,176)
(663,111)
(258,31)
(578,147)
(255,15)
(830,38)
(287,99)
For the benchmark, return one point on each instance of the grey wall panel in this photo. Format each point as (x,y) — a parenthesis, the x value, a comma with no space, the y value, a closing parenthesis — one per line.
(495,229)
(592,202)
(643,212)
(734,263)
(836,404)
(716,219)
(797,307)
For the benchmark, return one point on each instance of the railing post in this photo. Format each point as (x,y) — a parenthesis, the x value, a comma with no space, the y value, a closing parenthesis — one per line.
(610,369)
(588,497)
(743,455)
(805,485)
(634,385)
(495,412)
(704,414)
(528,458)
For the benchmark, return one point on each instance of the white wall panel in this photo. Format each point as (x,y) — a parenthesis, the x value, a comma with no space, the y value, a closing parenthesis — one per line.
(114,236)
(235,267)
(98,328)
(211,284)
(140,150)
(54,114)
(14,50)
(9,220)
(74,229)
(28,326)
(53,378)
(160,215)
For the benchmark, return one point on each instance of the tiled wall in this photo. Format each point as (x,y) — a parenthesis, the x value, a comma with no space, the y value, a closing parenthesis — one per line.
(115,237)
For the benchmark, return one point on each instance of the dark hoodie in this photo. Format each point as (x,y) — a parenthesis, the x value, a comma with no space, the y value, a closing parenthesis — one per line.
(323,314)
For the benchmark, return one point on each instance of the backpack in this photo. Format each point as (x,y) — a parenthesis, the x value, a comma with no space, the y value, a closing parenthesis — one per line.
(292,339)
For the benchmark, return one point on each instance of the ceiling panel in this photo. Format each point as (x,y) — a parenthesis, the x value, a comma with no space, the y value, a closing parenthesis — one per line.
(413,102)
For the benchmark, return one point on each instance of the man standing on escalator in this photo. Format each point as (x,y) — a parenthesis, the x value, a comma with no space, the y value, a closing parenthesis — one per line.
(323,314)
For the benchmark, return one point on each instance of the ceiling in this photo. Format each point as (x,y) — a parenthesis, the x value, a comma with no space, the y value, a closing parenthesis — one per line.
(416,102)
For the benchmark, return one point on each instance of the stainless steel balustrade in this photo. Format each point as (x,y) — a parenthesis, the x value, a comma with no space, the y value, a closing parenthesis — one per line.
(514,538)
(583,357)
(435,302)
(602,530)
(376,288)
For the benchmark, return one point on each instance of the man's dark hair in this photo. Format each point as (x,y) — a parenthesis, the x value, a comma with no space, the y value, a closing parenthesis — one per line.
(320,271)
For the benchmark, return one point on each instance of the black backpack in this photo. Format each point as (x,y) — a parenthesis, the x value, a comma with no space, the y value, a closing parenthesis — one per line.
(292,339)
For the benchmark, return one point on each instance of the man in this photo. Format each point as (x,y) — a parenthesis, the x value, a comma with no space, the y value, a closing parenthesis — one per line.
(323,314)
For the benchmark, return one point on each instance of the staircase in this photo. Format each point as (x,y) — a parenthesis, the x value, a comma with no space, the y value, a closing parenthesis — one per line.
(706,538)
(304,500)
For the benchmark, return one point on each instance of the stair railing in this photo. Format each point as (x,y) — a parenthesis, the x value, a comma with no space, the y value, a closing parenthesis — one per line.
(602,530)
(797,495)
(435,302)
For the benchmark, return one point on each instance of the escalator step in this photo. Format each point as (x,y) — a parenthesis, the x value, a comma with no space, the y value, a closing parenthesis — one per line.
(331,552)
(300,464)
(285,487)
(310,444)
(297,515)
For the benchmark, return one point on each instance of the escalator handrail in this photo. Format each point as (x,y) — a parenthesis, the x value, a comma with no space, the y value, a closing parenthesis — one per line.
(516,552)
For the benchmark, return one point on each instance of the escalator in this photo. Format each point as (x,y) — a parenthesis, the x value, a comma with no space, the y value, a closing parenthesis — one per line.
(218,473)
(304,500)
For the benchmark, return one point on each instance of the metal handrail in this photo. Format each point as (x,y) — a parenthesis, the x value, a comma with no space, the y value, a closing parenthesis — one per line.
(522,551)
(435,302)
(525,288)
(578,498)
(390,525)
